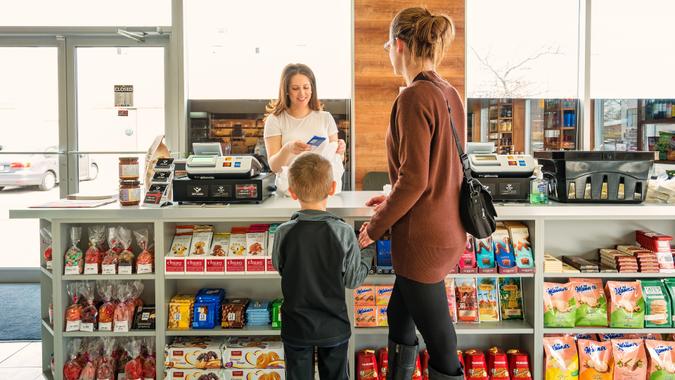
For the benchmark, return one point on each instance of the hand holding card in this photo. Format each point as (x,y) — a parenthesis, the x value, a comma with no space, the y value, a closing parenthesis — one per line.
(316,141)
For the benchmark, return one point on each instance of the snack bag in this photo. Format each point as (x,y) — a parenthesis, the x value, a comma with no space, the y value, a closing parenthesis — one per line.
(111,257)
(559,305)
(511,298)
(661,359)
(74,311)
(562,362)
(502,248)
(476,366)
(149,361)
(91,360)
(74,259)
(366,365)
(383,362)
(467,302)
(627,307)
(133,369)
(72,369)
(520,240)
(450,295)
(488,307)
(94,256)
(89,311)
(106,312)
(123,316)
(593,337)
(657,304)
(106,365)
(145,259)
(126,257)
(595,360)
(498,366)
(46,237)
(630,359)
(591,302)
(485,255)
(467,262)
(135,291)
(519,365)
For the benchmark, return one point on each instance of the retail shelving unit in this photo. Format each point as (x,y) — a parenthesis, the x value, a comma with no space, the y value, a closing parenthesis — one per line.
(560,124)
(500,127)
(556,228)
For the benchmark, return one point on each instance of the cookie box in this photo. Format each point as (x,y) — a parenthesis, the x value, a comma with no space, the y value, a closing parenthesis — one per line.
(195,374)
(255,374)
(250,353)
(195,353)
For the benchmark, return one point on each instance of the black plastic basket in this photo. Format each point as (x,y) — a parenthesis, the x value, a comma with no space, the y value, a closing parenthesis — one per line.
(596,177)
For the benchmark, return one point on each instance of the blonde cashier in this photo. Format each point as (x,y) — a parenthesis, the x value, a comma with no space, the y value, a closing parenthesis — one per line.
(296,117)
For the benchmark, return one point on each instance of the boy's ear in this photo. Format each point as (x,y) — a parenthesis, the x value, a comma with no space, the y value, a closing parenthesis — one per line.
(293,195)
(333,186)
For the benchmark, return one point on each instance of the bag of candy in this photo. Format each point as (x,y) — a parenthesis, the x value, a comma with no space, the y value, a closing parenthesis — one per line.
(74,311)
(94,255)
(123,315)
(145,259)
(135,291)
(133,369)
(121,356)
(149,360)
(72,369)
(106,366)
(46,239)
(126,258)
(74,259)
(111,257)
(89,310)
(106,313)
(91,360)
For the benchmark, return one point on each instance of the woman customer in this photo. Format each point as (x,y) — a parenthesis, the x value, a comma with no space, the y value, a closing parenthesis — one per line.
(422,208)
(296,117)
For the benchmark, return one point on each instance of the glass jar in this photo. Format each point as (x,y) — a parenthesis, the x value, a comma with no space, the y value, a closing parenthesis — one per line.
(130,193)
(128,168)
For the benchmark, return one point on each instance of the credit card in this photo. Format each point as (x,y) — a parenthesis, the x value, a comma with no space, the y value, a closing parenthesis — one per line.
(316,141)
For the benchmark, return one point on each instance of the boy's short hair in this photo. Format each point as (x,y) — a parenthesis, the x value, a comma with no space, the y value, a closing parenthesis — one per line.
(310,177)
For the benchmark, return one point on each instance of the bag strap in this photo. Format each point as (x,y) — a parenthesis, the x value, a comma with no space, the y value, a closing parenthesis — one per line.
(463,157)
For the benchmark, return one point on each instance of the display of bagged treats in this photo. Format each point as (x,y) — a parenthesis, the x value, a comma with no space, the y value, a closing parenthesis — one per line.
(591,303)
(253,352)
(74,258)
(657,304)
(626,304)
(595,360)
(511,298)
(467,300)
(559,305)
(488,301)
(194,352)
(562,361)
(630,359)
(661,359)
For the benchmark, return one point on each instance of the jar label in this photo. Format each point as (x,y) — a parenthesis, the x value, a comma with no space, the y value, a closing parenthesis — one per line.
(128,170)
(130,195)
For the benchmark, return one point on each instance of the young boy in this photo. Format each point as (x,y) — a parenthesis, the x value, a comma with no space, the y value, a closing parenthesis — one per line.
(318,256)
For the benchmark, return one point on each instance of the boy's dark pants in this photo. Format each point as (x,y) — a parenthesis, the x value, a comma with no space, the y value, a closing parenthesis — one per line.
(333,362)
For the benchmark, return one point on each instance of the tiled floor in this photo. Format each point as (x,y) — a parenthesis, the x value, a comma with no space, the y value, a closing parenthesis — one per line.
(21,360)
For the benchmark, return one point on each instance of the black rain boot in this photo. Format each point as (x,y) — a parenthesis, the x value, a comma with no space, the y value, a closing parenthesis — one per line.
(435,375)
(402,361)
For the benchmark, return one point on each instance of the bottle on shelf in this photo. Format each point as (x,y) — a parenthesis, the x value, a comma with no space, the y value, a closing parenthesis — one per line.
(538,188)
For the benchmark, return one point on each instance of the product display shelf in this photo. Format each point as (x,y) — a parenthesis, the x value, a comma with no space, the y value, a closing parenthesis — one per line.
(556,228)
(248,330)
(101,277)
(225,276)
(484,328)
(626,276)
(100,334)
(608,330)
(47,326)
(47,273)
(383,278)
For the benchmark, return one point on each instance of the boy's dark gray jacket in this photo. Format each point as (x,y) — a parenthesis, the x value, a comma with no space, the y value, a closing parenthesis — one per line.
(318,256)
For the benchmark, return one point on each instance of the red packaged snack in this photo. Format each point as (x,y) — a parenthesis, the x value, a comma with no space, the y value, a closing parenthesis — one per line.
(74,259)
(367,366)
(46,238)
(72,369)
(149,361)
(498,367)
(91,358)
(94,255)
(383,362)
(89,310)
(133,369)
(106,313)
(111,257)
(126,257)
(106,364)
(135,291)
(467,262)
(145,259)
(476,367)
(417,375)
(74,311)
(124,310)
(424,355)
(519,365)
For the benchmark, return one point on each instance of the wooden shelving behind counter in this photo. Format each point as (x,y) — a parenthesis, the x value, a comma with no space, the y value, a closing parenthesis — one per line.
(560,124)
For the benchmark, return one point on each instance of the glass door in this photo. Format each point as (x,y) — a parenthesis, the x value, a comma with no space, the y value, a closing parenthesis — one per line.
(120,107)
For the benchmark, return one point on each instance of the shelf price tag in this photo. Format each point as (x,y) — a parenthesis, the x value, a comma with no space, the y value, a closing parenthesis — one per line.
(121,326)
(72,326)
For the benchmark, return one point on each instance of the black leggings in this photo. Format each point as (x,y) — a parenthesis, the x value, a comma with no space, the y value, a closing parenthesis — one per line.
(413,304)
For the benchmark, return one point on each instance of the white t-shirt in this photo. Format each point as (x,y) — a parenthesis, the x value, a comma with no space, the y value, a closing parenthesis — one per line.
(317,123)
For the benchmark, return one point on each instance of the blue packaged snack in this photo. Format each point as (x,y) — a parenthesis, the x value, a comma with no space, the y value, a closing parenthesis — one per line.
(485,255)
(383,258)
(502,248)
(207,314)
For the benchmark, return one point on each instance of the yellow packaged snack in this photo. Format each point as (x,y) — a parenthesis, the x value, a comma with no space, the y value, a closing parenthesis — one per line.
(180,312)
(562,362)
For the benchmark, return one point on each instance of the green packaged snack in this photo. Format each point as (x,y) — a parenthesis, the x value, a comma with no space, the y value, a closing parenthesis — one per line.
(560,307)
(657,304)
(276,313)
(669,283)
(511,298)
(591,302)
(626,306)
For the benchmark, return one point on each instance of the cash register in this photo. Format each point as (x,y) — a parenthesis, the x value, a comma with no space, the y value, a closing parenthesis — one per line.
(507,176)
(216,178)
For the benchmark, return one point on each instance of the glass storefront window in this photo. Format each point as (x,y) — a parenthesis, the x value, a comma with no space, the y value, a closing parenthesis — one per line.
(616,124)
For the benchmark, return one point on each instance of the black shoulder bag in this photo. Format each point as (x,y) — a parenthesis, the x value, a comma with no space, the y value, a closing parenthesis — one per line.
(475,203)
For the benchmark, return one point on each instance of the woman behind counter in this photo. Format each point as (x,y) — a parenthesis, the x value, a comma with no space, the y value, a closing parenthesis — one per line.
(295,117)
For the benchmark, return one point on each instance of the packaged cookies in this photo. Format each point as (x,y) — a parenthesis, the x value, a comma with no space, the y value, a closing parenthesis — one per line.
(657,304)
(250,352)
(254,374)
(559,305)
(627,306)
(198,353)
(383,294)
(364,295)
(630,359)
(562,362)
(234,313)
(595,360)
(466,299)
(591,302)
(196,374)
(365,316)
(510,298)
(661,359)
(669,283)
(488,304)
